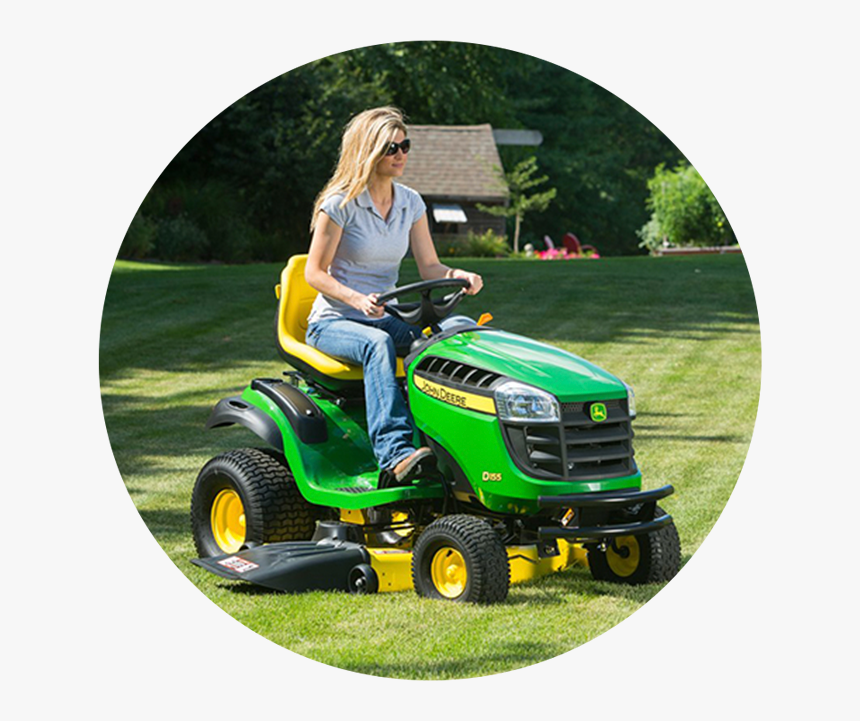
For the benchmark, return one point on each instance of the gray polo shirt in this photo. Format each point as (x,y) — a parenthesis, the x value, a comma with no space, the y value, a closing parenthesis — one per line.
(371,249)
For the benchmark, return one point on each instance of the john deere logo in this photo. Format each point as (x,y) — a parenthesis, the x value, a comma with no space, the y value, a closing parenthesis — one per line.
(598,412)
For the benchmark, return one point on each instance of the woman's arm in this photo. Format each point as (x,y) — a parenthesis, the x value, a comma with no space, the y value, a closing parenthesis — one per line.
(429,265)
(324,245)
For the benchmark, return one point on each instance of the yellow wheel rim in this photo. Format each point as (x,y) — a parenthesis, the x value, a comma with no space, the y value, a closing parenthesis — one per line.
(625,560)
(448,572)
(228,521)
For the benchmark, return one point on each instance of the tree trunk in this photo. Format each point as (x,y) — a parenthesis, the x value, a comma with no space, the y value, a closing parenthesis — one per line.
(517,233)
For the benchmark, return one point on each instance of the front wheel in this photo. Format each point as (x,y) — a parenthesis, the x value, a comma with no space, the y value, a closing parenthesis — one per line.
(652,558)
(247,497)
(460,558)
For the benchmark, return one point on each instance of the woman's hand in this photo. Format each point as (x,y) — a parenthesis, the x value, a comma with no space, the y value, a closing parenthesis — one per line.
(428,261)
(476,282)
(367,304)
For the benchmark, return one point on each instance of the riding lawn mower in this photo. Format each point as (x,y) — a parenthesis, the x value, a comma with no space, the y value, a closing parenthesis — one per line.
(533,468)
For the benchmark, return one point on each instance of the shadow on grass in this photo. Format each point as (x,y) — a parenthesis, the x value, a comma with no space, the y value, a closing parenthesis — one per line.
(558,589)
(576,584)
(192,325)
(509,654)
(668,414)
(168,525)
(150,435)
(248,589)
(733,438)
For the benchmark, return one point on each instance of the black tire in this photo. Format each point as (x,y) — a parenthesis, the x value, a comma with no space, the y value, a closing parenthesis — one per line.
(634,560)
(477,554)
(272,507)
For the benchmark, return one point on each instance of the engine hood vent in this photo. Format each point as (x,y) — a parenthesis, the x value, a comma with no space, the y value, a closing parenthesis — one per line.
(459,375)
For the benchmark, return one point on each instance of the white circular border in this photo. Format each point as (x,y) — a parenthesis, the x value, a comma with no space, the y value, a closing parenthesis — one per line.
(104,98)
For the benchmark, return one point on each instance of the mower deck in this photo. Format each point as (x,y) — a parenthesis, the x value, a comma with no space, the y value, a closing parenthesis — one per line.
(328,565)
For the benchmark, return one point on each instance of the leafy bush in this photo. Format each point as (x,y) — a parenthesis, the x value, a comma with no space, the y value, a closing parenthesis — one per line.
(277,245)
(216,208)
(471,245)
(237,241)
(684,211)
(139,241)
(449,245)
(180,238)
(487,245)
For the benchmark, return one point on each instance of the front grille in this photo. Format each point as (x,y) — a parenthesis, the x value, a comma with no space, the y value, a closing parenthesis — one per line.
(577,449)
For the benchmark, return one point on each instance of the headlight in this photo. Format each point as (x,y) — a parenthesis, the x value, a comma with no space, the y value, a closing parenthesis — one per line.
(631,401)
(519,402)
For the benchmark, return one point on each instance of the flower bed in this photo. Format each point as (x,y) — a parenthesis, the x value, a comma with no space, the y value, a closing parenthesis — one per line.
(565,254)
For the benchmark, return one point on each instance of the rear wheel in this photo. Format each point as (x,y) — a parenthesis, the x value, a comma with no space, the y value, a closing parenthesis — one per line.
(246,497)
(651,558)
(460,558)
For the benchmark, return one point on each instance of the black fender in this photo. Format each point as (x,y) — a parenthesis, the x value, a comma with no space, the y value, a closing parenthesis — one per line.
(304,416)
(235,410)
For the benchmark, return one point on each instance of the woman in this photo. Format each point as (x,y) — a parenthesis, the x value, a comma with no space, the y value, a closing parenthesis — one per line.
(363,223)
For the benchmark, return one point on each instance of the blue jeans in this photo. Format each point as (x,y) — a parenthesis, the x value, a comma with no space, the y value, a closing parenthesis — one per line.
(375,346)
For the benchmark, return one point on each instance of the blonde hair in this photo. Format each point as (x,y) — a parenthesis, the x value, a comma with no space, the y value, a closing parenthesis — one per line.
(365,141)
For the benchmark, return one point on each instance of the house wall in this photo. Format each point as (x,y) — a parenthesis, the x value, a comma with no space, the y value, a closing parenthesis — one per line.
(478,222)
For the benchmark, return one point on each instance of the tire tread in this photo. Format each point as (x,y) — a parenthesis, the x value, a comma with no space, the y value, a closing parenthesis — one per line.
(274,507)
(660,560)
(490,573)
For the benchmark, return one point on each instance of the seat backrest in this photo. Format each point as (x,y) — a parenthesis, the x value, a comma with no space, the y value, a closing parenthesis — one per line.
(295,299)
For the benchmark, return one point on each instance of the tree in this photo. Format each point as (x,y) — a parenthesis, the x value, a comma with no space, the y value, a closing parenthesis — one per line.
(518,181)
(598,150)
(274,148)
(249,177)
(684,211)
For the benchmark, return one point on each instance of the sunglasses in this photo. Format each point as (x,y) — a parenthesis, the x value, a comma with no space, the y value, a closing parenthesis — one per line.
(394,147)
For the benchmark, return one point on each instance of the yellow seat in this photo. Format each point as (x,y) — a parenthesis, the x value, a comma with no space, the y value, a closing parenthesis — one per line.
(295,298)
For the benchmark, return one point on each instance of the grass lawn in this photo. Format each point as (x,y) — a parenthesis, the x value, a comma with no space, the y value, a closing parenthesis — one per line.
(682,331)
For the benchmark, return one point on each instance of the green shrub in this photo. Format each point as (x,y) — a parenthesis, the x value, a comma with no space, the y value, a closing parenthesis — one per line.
(487,245)
(180,238)
(236,241)
(471,245)
(215,208)
(684,211)
(449,245)
(276,246)
(139,241)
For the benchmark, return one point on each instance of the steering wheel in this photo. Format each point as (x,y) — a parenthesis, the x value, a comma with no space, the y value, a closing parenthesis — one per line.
(425,312)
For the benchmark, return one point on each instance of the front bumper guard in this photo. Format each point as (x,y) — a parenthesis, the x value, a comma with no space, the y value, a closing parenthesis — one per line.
(595,515)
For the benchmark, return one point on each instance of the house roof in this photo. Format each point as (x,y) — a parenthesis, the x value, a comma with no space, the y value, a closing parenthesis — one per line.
(454,162)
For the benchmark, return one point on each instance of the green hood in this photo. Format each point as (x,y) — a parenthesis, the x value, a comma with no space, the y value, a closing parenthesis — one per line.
(567,376)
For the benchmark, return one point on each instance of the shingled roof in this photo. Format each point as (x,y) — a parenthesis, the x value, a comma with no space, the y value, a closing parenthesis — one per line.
(454,162)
